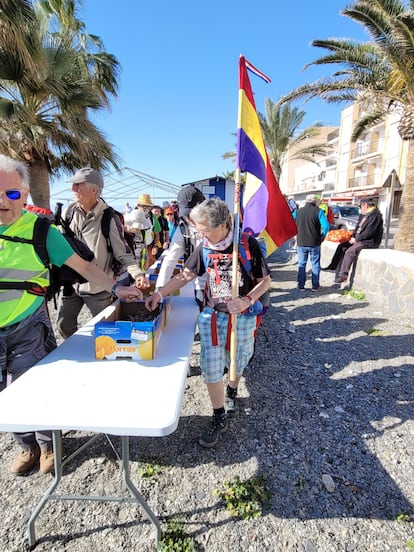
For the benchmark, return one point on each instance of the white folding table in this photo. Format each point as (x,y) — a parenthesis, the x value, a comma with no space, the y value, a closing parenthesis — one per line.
(70,390)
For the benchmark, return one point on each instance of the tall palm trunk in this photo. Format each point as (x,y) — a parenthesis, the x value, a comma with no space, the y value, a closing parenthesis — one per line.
(39,183)
(404,240)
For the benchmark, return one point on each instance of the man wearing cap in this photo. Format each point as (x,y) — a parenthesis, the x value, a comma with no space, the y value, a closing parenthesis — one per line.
(184,240)
(312,226)
(85,219)
(367,235)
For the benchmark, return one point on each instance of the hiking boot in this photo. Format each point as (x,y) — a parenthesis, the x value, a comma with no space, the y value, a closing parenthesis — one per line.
(341,278)
(210,437)
(25,461)
(47,461)
(231,405)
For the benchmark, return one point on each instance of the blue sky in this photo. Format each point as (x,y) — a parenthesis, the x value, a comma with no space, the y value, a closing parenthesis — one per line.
(177,104)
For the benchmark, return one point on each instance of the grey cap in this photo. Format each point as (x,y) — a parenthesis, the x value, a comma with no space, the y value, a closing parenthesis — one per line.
(87,174)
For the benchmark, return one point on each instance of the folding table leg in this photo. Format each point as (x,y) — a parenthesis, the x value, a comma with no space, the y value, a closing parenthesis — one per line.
(133,490)
(57,449)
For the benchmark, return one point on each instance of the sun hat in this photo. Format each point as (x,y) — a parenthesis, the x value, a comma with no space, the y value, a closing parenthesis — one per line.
(136,219)
(145,199)
(87,174)
(188,197)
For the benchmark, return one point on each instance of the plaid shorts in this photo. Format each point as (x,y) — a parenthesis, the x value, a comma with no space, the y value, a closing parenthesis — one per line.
(214,358)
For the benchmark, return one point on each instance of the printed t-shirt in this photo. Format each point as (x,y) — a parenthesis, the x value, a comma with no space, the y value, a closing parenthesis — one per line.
(219,285)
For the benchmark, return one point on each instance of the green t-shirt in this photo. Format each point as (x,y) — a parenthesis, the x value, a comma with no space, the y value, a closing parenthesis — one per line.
(59,252)
(156,226)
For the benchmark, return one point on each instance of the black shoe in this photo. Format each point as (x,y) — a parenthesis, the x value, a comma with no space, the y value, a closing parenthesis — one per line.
(210,437)
(231,405)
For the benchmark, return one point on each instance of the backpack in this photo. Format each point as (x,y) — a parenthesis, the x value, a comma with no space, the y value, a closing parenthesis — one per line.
(185,231)
(128,237)
(245,259)
(59,277)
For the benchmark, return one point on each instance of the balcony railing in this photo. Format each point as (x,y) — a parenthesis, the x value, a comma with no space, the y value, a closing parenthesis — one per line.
(360,181)
(364,149)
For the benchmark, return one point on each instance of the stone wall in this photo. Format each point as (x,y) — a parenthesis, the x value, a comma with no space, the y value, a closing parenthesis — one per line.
(385,276)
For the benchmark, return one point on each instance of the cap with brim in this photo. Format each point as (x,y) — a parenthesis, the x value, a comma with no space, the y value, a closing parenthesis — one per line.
(145,199)
(189,197)
(87,174)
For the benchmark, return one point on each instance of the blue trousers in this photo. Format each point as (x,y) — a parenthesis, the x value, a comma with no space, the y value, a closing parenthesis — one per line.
(314,254)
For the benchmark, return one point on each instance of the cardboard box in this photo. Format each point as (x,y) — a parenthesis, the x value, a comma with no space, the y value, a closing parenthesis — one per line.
(119,336)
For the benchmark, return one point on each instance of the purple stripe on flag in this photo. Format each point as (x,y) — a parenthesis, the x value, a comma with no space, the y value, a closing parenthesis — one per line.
(255,212)
(248,156)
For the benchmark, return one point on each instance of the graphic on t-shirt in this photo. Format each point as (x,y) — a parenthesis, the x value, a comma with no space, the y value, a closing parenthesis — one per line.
(219,274)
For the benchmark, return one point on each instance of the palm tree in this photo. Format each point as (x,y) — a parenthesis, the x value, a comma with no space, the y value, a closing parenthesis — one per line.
(284,139)
(94,60)
(46,95)
(380,75)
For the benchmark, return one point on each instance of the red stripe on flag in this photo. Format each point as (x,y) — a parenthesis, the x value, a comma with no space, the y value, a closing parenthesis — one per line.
(280,223)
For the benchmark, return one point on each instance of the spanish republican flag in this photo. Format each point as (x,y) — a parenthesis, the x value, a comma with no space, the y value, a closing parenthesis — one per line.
(266,211)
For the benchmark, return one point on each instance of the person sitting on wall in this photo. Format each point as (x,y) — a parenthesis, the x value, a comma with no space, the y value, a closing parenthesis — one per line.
(367,235)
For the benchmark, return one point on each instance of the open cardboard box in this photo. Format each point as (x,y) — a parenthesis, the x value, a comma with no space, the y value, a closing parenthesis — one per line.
(121,335)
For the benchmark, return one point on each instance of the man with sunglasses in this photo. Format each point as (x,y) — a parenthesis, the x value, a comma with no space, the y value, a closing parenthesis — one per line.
(26,334)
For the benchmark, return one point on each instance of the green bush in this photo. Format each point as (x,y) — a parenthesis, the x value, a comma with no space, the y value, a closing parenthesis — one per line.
(246,499)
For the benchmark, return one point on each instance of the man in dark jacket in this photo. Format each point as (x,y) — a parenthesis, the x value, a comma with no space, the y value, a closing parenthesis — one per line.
(312,227)
(367,235)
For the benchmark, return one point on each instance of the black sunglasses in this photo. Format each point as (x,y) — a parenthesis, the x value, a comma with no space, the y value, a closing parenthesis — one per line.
(13,194)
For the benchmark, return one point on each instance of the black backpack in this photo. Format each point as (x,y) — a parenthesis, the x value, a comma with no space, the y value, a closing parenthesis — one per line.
(185,231)
(63,276)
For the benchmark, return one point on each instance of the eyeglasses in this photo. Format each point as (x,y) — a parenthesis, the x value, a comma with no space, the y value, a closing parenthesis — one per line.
(13,194)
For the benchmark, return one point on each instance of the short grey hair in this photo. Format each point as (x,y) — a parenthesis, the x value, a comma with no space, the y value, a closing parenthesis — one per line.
(313,198)
(212,213)
(9,165)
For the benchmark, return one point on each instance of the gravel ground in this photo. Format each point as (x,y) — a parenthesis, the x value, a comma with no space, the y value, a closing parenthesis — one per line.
(329,391)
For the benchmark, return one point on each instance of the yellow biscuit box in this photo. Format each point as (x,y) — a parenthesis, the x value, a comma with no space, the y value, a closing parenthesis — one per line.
(129,332)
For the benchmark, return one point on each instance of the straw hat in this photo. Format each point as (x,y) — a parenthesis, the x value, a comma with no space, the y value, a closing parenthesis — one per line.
(145,199)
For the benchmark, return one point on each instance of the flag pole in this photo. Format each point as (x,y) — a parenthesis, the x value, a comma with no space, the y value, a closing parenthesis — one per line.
(234,273)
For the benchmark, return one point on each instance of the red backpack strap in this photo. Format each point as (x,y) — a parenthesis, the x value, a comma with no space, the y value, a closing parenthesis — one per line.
(214,337)
(245,256)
